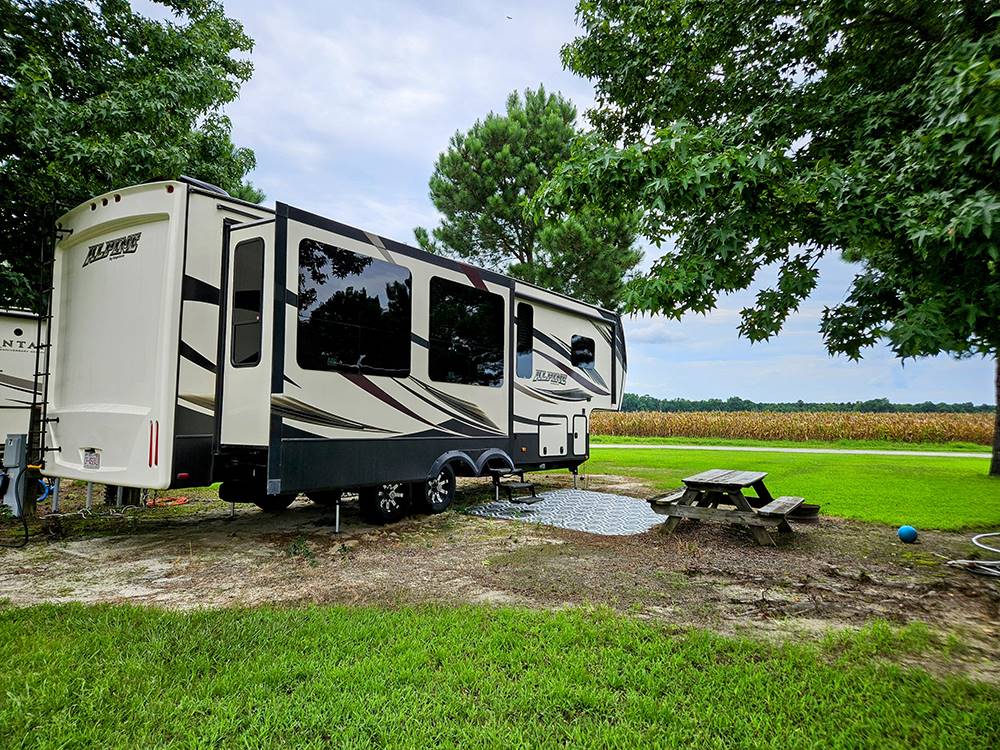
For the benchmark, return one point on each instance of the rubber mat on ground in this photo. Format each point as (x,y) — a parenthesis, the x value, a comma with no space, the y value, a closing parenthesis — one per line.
(579,510)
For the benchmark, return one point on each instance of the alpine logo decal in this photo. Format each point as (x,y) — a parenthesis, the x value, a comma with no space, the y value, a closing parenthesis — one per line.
(115,248)
(547,376)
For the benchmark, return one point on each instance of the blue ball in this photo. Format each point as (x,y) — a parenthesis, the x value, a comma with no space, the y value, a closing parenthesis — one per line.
(907,534)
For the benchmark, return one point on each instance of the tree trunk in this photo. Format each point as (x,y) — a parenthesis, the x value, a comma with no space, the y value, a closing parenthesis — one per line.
(995,463)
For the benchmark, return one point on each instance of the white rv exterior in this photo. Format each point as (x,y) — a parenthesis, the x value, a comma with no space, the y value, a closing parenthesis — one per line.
(18,342)
(197,339)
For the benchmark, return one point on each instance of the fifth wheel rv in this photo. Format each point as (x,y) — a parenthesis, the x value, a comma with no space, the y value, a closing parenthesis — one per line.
(19,338)
(197,339)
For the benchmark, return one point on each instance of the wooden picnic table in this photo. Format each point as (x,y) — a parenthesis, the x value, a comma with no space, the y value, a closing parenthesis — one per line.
(703,494)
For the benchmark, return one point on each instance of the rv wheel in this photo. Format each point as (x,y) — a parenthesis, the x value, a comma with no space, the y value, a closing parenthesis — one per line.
(274,503)
(439,491)
(386,503)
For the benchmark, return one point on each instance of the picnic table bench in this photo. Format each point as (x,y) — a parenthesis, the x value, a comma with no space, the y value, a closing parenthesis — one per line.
(703,494)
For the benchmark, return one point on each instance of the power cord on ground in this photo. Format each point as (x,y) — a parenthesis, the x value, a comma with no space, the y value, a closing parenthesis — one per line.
(981,567)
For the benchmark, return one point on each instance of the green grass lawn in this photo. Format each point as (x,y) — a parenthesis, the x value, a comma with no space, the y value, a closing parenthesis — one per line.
(939,493)
(882,445)
(121,677)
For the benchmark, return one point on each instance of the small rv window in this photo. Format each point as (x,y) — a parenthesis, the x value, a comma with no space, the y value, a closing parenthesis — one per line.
(248,301)
(525,339)
(354,312)
(466,334)
(583,352)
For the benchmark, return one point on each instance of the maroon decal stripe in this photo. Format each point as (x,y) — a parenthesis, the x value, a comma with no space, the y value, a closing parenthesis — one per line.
(473,273)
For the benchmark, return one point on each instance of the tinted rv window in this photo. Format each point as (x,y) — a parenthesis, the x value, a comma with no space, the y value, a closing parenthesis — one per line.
(525,339)
(583,352)
(466,334)
(248,300)
(354,312)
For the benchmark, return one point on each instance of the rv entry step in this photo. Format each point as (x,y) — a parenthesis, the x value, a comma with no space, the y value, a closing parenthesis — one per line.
(528,499)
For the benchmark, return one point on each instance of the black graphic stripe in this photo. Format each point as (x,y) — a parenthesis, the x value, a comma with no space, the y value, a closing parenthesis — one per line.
(192,355)
(196,290)
(569,372)
(454,417)
(292,408)
(18,384)
(205,402)
(554,345)
(466,408)
(532,393)
(371,388)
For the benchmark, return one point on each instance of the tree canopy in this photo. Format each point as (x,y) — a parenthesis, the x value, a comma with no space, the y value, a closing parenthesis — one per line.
(481,184)
(94,96)
(771,134)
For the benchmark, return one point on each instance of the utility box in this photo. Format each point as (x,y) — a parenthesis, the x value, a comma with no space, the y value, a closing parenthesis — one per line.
(19,494)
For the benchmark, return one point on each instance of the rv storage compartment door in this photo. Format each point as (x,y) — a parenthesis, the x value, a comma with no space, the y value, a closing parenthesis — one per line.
(553,429)
(246,366)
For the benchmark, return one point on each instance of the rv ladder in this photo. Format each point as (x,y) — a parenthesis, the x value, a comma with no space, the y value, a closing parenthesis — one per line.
(40,393)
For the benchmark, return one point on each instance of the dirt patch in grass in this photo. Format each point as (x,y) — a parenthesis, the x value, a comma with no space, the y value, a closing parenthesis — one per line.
(827,576)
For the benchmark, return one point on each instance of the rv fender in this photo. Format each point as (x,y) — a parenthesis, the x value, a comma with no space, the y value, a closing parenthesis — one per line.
(457,457)
(495,455)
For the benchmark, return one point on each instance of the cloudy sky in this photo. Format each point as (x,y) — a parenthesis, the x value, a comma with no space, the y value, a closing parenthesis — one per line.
(351,103)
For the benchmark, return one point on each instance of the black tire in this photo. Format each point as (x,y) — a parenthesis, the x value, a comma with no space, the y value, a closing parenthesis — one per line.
(384,503)
(326,498)
(274,503)
(439,492)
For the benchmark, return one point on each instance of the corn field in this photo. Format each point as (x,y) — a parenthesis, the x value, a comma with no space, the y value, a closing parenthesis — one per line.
(899,427)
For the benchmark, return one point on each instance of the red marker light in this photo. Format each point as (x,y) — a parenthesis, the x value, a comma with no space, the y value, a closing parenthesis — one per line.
(170,188)
(183,475)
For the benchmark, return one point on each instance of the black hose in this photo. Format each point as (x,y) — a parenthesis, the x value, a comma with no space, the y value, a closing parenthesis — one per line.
(24,517)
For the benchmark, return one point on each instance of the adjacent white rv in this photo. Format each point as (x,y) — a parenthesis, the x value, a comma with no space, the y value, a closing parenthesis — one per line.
(197,339)
(18,344)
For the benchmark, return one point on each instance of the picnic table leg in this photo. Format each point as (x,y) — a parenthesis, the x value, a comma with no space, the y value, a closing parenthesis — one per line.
(670,524)
(762,492)
(690,497)
(760,534)
(763,536)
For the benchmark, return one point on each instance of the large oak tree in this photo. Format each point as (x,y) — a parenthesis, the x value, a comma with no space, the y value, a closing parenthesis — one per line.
(94,95)
(776,133)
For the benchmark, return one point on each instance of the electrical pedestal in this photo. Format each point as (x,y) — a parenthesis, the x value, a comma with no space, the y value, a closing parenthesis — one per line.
(20,493)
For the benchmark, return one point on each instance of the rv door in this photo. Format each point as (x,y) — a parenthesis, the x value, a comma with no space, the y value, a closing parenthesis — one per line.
(245,367)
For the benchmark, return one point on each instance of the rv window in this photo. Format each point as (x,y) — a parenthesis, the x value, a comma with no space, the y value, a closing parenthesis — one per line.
(354,312)
(248,292)
(583,352)
(525,339)
(466,334)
